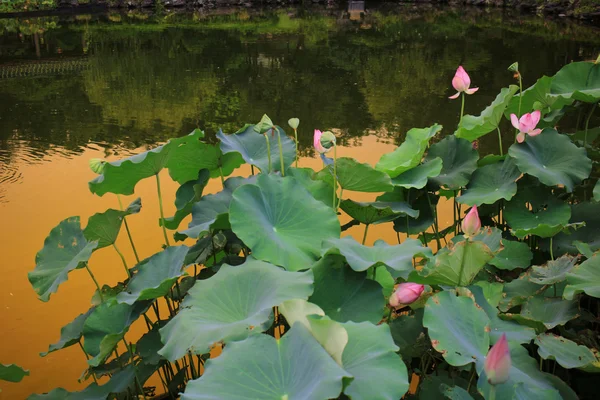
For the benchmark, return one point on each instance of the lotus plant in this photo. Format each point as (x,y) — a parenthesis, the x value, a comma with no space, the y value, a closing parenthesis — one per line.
(293,123)
(526,125)
(406,293)
(462,82)
(324,142)
(497,365)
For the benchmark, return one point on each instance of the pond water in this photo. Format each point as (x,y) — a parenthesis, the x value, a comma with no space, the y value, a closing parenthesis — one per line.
(77,87)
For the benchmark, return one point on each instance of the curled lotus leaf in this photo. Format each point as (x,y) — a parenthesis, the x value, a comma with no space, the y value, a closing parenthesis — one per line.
(566,352)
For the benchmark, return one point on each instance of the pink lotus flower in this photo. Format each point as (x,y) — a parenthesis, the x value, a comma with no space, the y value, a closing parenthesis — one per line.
(406,293)
(461,83)
(497,363)
(526,125)
(471,224)
(317,142)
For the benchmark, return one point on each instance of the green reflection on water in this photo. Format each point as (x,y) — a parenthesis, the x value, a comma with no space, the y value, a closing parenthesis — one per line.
(127,80)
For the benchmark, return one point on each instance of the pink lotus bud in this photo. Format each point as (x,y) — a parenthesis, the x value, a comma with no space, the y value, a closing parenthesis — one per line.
(461,83)
(406,293)
(526,124)
(497,363)
(471,224)
(317,142)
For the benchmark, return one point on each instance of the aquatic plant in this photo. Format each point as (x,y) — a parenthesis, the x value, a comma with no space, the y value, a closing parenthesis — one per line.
(303,313)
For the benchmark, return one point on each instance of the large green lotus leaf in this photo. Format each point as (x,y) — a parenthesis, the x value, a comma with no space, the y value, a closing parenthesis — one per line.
(69,334)
(408,334)
(344,294)
(514,332)
(423,221)
(549,311)
(513,255)
(12,373)
(253,148)
(121,176)
(459,162)
(526,370)
(584,278)
(280,221)
(213,208)
(106,326)
(65,249)
(518,291)
(104,227)
(359,177)
(120,382)
(578,81)
(472,127)
(190,155)
(553,271)
(456,266)
(330,334)
(320,189)
(490,236)
(536,97)
(185,197)
(398,258)
(491,183)
(230,305)
(155,275)
(566,352)
(589,235)
(535,211)
(408,155)
(370,356)
(377,212)
(294,367)
(552,158)
(418,176)
(492,291)
(458,328)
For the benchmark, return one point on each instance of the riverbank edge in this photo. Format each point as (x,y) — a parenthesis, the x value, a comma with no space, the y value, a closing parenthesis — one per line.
(578,9)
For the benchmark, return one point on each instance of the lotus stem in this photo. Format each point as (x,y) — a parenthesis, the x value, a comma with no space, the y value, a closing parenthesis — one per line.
(193,370)
(493,392)
(268,152)
(462,106)
(520,92)
(123,260)
(95,282)
(551,250)
(137,379)
(340,198)
(137,258)
(87,357)
(334,176)
(252,169)
(435,228)
(587,123)
(365,234)
(500,141)
(222,176)
(296,137)
(462,264)
(280,152)
(162,214)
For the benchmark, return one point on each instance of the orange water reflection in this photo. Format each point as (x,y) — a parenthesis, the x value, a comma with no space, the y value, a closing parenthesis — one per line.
(55,190)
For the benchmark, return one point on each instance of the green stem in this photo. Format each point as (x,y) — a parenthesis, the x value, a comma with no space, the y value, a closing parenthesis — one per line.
(296,137)
(137,379)
(365,234)
(492,392)
(87,357)
(137,258)
(375,272)
(95,282)
(551,250)
(462,264)
(587,123)
(334,175)
(122,260)
(268,152)
(222,177)
(280,152)
(462,107)
(252,169)
(340,198)
(520,92)
(500,141)
(435,228)
(162,214)
(192,367)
